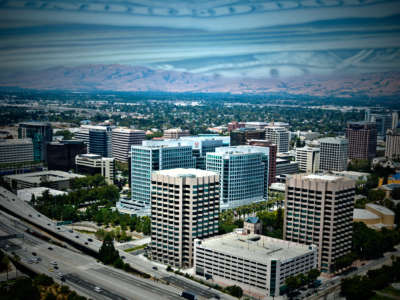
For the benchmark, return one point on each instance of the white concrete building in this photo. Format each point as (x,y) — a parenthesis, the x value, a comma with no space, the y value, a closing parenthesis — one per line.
(108,169)
(333,154)
(123,139)
(278,136)
(91,164)
(26,194)
(257,263)
(308,159)
(184,206)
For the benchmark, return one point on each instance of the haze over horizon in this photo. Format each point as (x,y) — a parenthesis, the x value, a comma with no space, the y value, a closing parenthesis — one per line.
(231,38)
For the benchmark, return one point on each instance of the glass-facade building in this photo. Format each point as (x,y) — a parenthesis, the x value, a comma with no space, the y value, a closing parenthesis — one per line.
(243,174)
(41,133)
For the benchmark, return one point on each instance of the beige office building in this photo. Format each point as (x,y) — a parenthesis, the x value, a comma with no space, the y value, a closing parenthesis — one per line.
(392,150)
(308,159)
(184,206)
(319,211)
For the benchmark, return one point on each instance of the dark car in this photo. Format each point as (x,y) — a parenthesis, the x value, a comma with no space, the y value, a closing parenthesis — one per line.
(155,268)
(34,253)
(77,236)
(50,248)
(90,240)
(86,243)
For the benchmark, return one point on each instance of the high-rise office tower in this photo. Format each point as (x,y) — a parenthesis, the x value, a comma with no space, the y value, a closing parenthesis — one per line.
(242,135)
(362,137)
(41,133)
(319,211)
(333,154)
(123,139)
(272,157)
(243,174)
(383,122)
(392,150)
(278,136)
(151,157)
(61,155)
(308,159)
(16,151)
(100,142)
(184,206)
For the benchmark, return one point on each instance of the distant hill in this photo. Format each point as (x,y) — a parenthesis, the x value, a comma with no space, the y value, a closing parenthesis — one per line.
(132,78)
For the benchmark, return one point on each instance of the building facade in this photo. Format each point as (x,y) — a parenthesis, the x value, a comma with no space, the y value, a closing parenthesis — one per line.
(243,135)
(100,141)
(319,211)
(41,133)
(16,151)
(333,154)
(91,164)
(362,137)
(175,133)
(383,122)
(61,155)
(308,159)
(257,263)
(273,149)
(123,139)
(285,166)
(392,150)
(280,136)
(154,157)
(184,206)
(243,174)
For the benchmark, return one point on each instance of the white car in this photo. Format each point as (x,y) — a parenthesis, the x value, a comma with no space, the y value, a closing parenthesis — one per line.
(97,289)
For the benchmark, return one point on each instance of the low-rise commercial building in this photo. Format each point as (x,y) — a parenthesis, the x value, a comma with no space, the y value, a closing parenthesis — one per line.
(91,164)
(57,180)
(258,264)
(375,216)
(14,151)
(36,192)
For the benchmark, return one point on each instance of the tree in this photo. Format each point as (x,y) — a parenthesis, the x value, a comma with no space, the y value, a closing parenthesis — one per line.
(356,288)
(359,165)
(235,291)
(376,195)
(312,275)
(107,253)
(43,280)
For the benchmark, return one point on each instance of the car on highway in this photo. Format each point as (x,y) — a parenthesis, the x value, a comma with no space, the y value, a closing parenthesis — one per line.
(77,236)
(189,295)
(86,243)
(34,253)
(50,248)
(30,215)
(38,215)
(54,263)
(97,289)
(71,231)
(48,224)
(155,268)
(90,240)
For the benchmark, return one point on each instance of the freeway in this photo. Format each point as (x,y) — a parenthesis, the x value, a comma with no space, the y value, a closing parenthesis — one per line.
(22,210)
(82,272)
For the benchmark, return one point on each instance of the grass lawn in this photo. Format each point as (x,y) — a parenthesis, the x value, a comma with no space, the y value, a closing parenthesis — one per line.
(135,248)
(391,291)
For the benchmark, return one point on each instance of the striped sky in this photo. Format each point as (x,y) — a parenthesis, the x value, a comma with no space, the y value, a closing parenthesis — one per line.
(236,38)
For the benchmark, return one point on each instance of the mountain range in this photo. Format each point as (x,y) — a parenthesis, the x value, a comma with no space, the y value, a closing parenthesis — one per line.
(143,79)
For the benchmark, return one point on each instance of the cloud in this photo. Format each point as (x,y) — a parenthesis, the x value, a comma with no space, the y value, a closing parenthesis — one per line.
(230,38)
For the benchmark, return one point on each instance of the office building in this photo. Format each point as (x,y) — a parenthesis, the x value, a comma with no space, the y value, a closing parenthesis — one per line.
(100,141)
(258,264)
(362,137)
(235,125)
(256,125)
(272,156)
(383,122)
(108,169)
(36,192)
(154,156)
(279,136)
(392,150)
(91,164)
(375,216)
(16,151)
(308,159)
(184,206)
(243,174)
(243,135)
(57,180)
(61,155)
(175,133)
(123,139)
(286,166)
(333,154)
(319,211)
(41,133)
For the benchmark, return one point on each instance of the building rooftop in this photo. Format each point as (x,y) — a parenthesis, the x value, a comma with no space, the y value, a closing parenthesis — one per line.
(89,155)
(390,187)
(380,208)
(128,130)
(240,150)
(256,247)
(26,194)
(333,140)
(322,177)
(36,177)
(277,186)
(182,172)
(252,220)
(364,214)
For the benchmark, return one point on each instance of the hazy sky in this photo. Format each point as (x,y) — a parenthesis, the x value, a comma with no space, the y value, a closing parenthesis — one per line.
(227,37)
